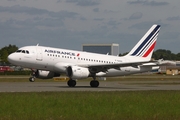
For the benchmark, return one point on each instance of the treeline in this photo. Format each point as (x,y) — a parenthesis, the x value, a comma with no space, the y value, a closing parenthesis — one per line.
(24,72)
(166,55)
(5,51)
(158,54)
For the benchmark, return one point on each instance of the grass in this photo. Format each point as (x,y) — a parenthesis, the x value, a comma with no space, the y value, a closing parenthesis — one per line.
(132,105)
(137,105)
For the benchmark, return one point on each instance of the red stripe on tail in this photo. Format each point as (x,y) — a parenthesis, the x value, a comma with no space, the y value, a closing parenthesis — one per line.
(150,50)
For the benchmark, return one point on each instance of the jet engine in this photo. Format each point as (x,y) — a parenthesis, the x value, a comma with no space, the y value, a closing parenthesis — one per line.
(45,74)
(76,72)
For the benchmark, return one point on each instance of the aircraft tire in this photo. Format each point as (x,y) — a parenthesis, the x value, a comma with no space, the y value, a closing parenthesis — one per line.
(94,83)
(31,79)
(71,83)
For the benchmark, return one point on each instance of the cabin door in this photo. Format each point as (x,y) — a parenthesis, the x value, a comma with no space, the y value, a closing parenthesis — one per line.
(39,56)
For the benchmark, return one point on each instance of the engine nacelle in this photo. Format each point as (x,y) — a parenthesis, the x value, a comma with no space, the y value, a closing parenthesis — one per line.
(42,74)
(76,72)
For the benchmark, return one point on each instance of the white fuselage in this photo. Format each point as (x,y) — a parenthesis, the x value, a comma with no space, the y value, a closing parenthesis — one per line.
(78,64)
(57,60)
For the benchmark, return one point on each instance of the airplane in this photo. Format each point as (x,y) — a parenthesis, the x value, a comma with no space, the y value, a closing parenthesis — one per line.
(49,62)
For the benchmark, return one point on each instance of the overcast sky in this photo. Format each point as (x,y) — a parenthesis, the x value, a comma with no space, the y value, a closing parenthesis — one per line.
(71,23)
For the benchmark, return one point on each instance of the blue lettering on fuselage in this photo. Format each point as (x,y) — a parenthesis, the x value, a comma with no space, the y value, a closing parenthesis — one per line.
(60,52)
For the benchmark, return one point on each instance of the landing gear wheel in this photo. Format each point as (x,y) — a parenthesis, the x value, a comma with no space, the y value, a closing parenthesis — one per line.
(94,83)
(31,79)
(71,83)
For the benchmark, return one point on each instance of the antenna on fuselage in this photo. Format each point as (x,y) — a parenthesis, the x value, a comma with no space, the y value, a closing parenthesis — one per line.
(37,44)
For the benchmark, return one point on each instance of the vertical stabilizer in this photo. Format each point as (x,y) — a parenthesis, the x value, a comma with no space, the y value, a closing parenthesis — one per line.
(145,47)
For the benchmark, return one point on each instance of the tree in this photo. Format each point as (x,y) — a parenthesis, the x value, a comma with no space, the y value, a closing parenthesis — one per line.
(178,56)
(165,54)
(123,54)
(5,51)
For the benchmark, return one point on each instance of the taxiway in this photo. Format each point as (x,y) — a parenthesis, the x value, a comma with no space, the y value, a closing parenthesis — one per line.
(84,86)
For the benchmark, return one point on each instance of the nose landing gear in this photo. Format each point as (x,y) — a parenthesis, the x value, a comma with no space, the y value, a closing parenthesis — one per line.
(32,79)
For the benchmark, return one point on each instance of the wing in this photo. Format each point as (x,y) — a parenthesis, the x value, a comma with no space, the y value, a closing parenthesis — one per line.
(95,68)
(160,62)
(104,67)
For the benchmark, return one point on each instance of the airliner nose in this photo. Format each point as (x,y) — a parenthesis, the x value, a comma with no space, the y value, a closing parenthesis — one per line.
(11,58)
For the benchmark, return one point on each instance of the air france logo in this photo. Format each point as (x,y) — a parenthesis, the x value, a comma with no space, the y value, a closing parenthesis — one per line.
(78,54)
(61,52)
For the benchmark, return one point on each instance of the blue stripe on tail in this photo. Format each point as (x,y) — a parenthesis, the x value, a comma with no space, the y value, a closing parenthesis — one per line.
(148,43)
(146,40)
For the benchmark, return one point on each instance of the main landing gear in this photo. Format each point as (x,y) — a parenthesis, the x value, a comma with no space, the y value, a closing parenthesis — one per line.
(93,83)
(71,83)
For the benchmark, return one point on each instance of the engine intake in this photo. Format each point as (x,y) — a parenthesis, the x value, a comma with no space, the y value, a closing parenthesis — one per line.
(76,72)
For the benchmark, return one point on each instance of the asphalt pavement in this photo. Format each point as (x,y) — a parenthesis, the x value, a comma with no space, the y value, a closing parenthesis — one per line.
(85,86)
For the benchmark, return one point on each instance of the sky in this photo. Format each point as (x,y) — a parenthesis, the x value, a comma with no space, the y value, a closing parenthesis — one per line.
(70,23)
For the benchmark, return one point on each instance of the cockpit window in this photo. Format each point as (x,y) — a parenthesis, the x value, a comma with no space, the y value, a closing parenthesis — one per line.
(27,52)
(18,51)
(22,51)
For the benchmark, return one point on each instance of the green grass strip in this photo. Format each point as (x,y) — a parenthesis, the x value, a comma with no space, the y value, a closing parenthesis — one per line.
(90,105)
